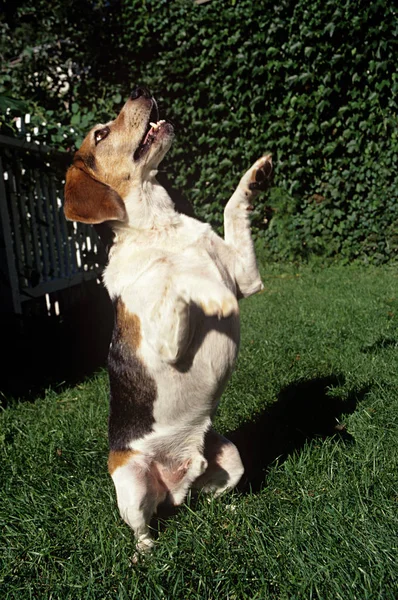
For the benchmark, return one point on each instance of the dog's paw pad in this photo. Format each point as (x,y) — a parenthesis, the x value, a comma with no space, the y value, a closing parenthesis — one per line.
(261,173)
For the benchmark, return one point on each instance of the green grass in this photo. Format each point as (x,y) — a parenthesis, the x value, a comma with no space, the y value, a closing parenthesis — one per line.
(321,518)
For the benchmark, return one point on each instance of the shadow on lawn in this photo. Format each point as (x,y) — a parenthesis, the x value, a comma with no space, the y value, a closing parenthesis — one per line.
(381,344)
(303,411)
(41,351)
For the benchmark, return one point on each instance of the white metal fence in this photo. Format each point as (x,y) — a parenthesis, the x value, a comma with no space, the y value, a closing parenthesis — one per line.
(40,252)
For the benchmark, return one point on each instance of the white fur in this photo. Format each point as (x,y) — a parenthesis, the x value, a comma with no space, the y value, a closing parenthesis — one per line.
(160,264)
(182,283)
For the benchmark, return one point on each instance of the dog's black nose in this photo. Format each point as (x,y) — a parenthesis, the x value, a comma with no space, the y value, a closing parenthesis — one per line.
(140,91)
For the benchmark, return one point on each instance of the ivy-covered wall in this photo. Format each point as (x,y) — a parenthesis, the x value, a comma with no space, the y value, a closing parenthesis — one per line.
(314,83)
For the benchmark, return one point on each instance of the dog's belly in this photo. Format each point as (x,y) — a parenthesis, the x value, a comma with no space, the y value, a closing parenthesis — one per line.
(196,383)
(188,393)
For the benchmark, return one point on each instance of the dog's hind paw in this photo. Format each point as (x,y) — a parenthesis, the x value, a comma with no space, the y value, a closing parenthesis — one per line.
(144,545)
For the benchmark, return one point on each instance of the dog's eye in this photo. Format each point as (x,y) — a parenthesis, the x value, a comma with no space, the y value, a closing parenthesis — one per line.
(101,134)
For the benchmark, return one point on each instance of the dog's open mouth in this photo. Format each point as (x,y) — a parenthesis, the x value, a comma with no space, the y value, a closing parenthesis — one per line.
(148,139)
(153,128)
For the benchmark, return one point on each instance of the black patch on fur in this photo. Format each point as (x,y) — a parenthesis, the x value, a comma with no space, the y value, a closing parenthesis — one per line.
(107,236)
(90,161)
(263,178)
(133,393)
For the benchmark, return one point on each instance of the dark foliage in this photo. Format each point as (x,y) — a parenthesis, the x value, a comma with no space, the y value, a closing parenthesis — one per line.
(316,85)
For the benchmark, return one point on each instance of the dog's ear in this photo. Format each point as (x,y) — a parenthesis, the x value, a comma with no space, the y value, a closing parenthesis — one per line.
(88,200)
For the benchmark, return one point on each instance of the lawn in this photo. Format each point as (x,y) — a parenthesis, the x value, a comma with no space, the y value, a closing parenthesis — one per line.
(313,407)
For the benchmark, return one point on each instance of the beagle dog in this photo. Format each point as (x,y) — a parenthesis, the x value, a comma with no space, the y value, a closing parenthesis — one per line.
(175,286)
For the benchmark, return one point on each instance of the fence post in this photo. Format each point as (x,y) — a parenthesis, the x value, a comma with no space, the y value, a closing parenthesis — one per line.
(9,283)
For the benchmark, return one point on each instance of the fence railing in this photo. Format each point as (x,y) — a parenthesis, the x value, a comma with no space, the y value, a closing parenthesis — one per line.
(40,252)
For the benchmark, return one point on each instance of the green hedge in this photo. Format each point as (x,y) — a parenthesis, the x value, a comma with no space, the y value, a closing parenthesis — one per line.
(316,84)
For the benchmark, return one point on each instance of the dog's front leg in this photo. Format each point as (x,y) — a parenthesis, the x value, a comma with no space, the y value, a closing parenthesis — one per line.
(169,320)
(237,225)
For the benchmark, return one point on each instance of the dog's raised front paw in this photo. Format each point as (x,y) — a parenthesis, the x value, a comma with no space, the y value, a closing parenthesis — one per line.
(220,306)
(258,177)
(214,298)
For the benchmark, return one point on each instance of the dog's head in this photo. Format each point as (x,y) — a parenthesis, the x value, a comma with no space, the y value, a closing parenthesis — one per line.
(114,159)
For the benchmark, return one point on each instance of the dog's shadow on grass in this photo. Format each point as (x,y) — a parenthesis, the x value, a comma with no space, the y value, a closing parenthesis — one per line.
(382,343)
(303,411)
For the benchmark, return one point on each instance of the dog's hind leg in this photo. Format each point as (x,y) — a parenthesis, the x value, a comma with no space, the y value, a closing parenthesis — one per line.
(192,469)
(225,467)
(237,225)
(139,490)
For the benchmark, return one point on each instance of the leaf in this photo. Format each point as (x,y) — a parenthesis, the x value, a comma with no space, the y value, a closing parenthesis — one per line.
(330,27)
(6,102)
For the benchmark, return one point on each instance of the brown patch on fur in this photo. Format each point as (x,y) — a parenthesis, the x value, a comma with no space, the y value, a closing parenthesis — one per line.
(114,156)
(89,161)
(121,180)
(120,122)
(129,325)
(88,200)
(103,173)
(118,458)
